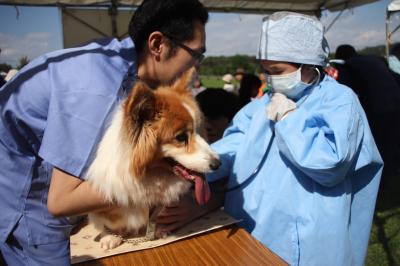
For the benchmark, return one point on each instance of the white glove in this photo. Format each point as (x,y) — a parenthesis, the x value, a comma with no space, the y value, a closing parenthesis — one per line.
(279,107)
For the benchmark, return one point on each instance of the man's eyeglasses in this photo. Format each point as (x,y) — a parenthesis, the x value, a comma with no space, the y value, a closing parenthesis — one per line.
(198,56)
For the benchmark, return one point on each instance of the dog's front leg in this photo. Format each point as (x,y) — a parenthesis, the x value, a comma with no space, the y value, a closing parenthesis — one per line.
(109,241)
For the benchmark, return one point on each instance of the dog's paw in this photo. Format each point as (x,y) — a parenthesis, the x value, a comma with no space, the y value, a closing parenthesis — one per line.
(109,242)
(158,234)
(164,235)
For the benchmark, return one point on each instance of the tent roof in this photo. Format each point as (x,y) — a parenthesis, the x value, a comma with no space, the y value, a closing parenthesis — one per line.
(83,20)
(394,6)
(239,6)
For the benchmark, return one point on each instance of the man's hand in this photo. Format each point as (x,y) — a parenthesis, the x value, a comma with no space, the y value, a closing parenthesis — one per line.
(186,210)
(279,107)
(177,215)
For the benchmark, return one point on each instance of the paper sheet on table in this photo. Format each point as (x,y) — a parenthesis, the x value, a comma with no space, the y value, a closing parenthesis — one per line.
(85,243)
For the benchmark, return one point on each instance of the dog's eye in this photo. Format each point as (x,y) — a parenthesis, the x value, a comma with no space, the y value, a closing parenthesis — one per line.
(182,137)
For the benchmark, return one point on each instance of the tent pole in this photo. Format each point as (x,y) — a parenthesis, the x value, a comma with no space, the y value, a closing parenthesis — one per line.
(334,20)
(337,17)
(387,35)
(113,12)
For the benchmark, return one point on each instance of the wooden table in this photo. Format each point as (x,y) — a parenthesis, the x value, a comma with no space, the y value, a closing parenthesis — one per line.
(227,246)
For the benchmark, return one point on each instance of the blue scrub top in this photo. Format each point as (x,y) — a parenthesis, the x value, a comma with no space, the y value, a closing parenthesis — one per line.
(313,199)
(52,113)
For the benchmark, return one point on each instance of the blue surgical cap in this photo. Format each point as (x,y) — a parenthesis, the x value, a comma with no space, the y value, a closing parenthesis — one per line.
(293,37)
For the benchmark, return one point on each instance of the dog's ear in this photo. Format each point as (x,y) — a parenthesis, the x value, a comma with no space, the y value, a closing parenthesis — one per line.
(182,84)
(140,106)
(140,111)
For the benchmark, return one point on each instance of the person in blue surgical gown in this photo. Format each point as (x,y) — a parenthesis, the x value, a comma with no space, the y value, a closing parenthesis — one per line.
(303,169)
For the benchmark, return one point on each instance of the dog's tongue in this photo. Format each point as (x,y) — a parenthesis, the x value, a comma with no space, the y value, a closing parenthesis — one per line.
(201,188)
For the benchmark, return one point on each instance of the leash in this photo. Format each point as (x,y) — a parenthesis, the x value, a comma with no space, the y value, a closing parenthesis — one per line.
(150,230)
(137,240)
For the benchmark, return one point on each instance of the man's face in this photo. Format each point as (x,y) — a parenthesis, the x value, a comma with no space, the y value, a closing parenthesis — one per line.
(173,66)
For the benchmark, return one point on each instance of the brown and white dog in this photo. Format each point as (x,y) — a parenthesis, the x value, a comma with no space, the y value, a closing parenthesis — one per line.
(149,156)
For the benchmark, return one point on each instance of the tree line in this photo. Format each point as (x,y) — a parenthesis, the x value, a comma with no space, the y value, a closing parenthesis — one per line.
(220,65)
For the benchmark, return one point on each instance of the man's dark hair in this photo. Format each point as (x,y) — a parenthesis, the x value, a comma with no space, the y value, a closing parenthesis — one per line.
(345,51)
(172,17)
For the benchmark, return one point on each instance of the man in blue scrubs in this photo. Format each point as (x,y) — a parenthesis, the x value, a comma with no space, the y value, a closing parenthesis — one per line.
(303,167)
(55,110)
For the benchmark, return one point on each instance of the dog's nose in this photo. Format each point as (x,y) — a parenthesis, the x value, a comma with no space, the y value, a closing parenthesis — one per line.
(215,164)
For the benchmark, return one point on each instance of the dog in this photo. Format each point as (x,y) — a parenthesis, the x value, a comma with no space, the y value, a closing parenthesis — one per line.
(150,155)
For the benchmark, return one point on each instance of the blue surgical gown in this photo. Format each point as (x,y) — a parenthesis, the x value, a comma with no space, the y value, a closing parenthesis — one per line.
(312,200)
(52,114)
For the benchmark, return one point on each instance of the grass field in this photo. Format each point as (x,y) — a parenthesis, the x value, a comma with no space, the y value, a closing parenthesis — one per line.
(213,82)
(384,244)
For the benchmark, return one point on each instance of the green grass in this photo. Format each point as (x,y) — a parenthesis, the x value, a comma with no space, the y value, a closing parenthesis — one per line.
(212,82)
(384,244)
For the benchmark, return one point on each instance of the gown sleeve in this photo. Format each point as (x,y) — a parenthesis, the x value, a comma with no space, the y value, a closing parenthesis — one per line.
(228,145)
(322,143)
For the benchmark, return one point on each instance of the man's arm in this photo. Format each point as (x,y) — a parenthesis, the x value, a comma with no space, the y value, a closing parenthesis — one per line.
(68,195)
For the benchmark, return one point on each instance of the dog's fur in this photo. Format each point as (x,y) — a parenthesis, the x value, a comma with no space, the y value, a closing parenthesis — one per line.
(133,167)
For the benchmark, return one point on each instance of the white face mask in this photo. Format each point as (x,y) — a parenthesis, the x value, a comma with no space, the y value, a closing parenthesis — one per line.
(288,84)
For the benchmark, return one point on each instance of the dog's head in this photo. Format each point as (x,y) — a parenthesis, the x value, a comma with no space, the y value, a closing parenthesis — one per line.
(164,126)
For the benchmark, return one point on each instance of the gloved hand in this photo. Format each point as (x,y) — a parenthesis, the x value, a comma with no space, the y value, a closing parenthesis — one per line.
(279,107)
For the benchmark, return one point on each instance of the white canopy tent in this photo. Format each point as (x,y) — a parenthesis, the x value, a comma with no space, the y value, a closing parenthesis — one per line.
(392,8)
(83,20)
(256,6)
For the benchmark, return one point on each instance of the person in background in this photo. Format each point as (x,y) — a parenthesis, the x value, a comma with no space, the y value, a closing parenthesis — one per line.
(394,58)
(303,167)
(379,94)
(343,53)
(10,74)
(263,89)
(218,107)
(52,117)
(2,81)
(197,86)
(228,83)
(239,74)
(248,90)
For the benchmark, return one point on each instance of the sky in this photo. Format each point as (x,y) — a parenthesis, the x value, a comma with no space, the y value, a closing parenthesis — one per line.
(32,31)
